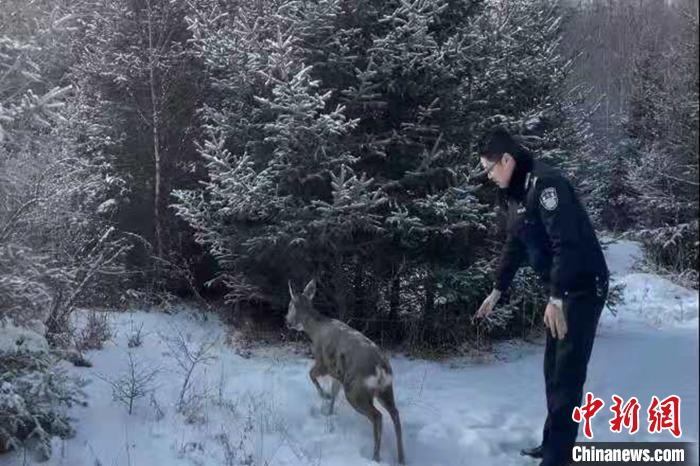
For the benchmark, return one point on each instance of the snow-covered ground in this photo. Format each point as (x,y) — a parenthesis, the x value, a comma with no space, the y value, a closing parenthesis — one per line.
(264,410)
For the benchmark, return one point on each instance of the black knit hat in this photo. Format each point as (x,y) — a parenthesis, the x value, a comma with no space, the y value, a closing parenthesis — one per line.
(497,142)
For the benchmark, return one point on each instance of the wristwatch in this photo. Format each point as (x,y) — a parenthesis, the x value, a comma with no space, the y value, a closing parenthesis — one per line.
(557,302)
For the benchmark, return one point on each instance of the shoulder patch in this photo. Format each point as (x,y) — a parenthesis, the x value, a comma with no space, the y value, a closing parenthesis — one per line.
(549,198)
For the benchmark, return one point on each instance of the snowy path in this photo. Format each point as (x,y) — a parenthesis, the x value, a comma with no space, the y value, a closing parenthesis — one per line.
(459,413)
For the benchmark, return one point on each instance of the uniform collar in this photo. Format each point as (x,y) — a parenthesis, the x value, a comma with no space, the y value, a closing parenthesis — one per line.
(520,184)
(520,178)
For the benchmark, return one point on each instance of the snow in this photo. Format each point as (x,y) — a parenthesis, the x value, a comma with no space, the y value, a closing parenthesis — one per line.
(453,413)
(107,206)
(13,338)
(648,299)
(621,256)
(657,301)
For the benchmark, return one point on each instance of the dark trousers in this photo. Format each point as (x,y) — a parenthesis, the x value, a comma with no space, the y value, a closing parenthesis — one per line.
(565,364)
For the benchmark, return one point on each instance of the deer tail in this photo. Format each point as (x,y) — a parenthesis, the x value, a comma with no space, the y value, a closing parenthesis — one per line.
(380,380)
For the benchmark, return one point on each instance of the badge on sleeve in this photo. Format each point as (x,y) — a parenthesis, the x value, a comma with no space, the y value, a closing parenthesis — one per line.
(549,199)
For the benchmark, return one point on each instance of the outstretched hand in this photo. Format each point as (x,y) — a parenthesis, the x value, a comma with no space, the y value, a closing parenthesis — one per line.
(488,305)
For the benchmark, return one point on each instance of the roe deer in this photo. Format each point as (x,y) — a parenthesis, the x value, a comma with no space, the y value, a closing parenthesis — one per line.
(351,359)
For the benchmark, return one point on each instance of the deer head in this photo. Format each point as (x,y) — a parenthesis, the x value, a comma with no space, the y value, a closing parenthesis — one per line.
(300,305)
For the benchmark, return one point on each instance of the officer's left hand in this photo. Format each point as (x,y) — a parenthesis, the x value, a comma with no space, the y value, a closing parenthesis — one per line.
(555,320)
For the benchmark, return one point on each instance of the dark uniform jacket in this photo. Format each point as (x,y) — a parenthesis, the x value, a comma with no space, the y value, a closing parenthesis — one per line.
(548,227)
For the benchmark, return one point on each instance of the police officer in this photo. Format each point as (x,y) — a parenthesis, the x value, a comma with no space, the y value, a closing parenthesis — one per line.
(548,227)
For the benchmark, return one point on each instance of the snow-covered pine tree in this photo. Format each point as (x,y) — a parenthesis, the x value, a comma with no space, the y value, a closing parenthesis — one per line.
(48,200)
(340,143)
(664,119)
(283,140)
(611,197)
(59,187)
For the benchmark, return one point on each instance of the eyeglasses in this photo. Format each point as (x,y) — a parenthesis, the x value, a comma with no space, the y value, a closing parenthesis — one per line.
(487,170)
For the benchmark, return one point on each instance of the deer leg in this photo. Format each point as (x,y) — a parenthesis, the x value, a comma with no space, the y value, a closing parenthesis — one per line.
(361,400)
(314,373)
(335,388)
(386,398)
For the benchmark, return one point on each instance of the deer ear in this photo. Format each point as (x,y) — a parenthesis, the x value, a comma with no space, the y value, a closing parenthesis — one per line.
(310,289)
(291,290)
